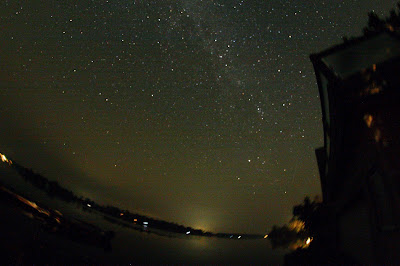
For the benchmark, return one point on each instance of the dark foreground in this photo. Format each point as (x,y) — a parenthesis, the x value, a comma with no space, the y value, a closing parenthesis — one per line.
(29,235)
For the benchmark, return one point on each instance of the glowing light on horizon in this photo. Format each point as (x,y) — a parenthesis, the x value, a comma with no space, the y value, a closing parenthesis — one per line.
(4,159)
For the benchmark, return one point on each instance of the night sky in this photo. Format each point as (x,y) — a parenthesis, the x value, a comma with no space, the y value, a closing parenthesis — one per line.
(204,113)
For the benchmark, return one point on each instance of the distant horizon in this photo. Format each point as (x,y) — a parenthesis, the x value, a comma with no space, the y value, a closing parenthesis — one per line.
(90,205)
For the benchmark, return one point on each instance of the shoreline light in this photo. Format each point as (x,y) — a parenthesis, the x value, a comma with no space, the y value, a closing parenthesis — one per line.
(4,159)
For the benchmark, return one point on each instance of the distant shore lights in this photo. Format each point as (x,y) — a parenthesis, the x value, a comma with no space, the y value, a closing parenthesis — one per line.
(4,159)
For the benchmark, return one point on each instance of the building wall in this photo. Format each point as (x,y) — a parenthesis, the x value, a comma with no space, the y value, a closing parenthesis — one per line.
(355,234)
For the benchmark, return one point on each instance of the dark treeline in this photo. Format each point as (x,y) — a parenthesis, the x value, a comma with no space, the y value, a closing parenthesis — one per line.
(377,24)
(54,190)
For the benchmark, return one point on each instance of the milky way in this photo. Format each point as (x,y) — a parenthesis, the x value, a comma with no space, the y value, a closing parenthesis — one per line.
(204,113)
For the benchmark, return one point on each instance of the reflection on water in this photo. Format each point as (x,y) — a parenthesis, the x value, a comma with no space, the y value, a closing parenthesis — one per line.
(141,245)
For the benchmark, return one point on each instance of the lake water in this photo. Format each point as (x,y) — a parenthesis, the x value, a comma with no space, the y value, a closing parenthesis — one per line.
(133,246)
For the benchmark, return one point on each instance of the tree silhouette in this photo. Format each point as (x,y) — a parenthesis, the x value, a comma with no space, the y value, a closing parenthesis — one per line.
(304,224)
(308,212)
(282,237)
(377,24)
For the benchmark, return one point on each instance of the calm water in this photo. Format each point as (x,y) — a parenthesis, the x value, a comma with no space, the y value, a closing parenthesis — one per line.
(131,245)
